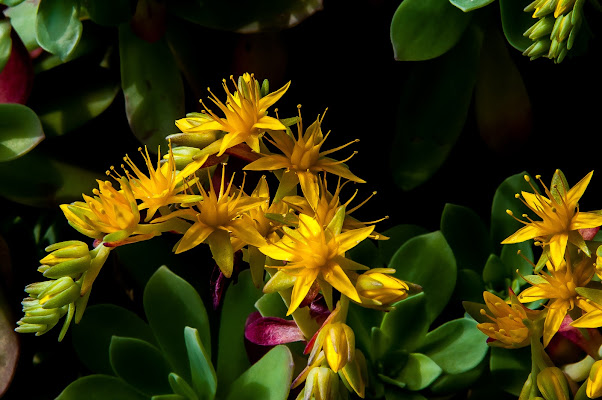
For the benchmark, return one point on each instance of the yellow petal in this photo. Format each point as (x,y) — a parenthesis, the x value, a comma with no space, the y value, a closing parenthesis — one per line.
(350,239)
(276,252)
(269,163)
(270,123)
(497,306)
(525,233)
(245,231)
(557,248)
(337,278)
(302,286)
(573,196)
(222,251)
(586,220)
(592,319)
(273,97)
(337,169)
(309,187)
(554,319)
(194,236)
(532,294)
(231,140)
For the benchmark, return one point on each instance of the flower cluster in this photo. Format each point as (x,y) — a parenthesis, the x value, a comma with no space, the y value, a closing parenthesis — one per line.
(295,241)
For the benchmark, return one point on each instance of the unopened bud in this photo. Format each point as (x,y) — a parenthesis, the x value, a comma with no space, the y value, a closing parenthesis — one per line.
(62,292)
(69,258)
(378,285)
(552,384)
(321,384)
(594,381)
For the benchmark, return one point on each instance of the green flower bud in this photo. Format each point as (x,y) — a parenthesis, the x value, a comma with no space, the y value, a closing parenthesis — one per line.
(322,384)
(69,258)
(594,381)
(62,292)
(541,28)
(200,140)
(37,319)
(553,385)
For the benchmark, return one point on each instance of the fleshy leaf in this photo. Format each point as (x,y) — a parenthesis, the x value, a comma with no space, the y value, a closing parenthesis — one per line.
(271,305)
(140,364)
(268,379)
(109,12)
(22,18)
(407,324)
(398,235)
(470,5)
(495,272)
(515,22)
(58,28)
(270,331)
(20,131)
(6,42)
(170,304)
(510,368)
(204,379)
(419,372)
(100,387)
(503,225)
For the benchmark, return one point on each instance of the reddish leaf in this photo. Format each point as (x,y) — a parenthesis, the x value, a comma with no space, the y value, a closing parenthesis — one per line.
(271,331)
(16,78)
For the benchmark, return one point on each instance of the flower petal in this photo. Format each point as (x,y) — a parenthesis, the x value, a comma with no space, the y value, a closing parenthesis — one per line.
(222,251)
(339,279)
(268,163)
(556,314)
(585,220)
(302,286)
(350,239)
(557,248)
(575,193)
(525,233)
(195,235)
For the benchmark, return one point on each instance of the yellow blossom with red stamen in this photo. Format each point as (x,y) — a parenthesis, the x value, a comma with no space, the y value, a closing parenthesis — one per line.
(245,112)
(561,218)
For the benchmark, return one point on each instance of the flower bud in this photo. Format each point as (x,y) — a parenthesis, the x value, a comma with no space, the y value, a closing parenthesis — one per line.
(380,288)
(321,384)
(184,155)
(69,258)
(594,381)
(198,140)
(552,384)
(338,342)
(62,292)
(37,319)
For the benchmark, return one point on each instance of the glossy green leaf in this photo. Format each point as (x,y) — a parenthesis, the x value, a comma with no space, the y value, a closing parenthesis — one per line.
(443,86)
(362,320)
(495,272)
(419,372)
(513,261)
(467,236)
(407,324)
(100,387)
(140,364)
(515,22)
(502,224)
(268,379)
(181,387)
(594,295)
(9,344)
(365,253)
(109,12)
(398,235)
(502,105)
(92,336)
(469,286)
(23,20)
(456,346)
(428,261)
(425,29)
(231,354)
(11,3)
(271,305)
(448,384)
(20,131)
(58,28)
(170,304)
(470,5)
(204,379)
(77,101)
(6,42)
(152,86)
(510,367)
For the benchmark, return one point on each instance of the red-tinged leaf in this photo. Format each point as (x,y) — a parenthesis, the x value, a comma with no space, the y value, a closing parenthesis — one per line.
(589,233)
(318,310)
(150,20)
(9,346)
(16,78)
(271,331)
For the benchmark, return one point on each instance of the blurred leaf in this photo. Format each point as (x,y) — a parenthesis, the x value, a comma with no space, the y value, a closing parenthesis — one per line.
(6,42)
(16,79)
(425,29)
(362,320)
(169,397)
(502,104)
(170,304)
(513,261)
(398,235)
(231,354)
(100,387)
(428,261)
(495,272)
(92,336)
(140,364)
(515,22)
(9,346)
(395,394)
(58,28)
(407,323)
(143,258)
(467,236)
(469,286)
(23,20)
(204,379)
(365,253)
(470,5)
(444,87)
(419,372)
(109,12)
(503,225)
(454,383)
(11,3)
(20,131)
(268,379)
(510,368)
(77,101)
(456,346)
(244,16)
(152,85)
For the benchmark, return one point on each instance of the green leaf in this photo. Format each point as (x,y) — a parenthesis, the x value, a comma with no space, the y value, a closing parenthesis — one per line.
(594,295)
(513,261)
(58,28)
(140,364)
(268,379)
(100,387)
(231,354)
(92,336)
(23,20)
(20,131)
(362,320)
(425,29)
(448,384)
(109,12)
(510,368)
(419,372)
(6,43)
(393,394)
(152,85)
(181,387)
(503,225)
(470,5)
(469,286)
(11,3)
(456,346)
(445,85)
(77,101)
(467,236)
(9,343)
(204,379)
(271,305)
(398,235)
(171,304)
(495,272)
(428,261)
(365,253)
(169,397)
(515,22)
(407,324)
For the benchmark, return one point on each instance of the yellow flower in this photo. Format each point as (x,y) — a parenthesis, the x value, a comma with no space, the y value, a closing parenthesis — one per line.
(314,252)
(594,381)
(162,185)
(217,217)
(302,160)
(245,115)
(559,287)
(507,328)
(377,287)
(560,216)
